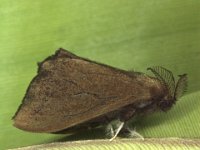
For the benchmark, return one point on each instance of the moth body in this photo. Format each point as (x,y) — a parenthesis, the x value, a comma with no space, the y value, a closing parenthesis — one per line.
(73,92)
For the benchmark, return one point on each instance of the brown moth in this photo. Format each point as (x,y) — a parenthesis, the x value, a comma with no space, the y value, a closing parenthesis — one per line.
(70,92)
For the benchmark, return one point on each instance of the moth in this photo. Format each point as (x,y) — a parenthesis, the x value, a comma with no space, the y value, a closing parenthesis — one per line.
(71,92)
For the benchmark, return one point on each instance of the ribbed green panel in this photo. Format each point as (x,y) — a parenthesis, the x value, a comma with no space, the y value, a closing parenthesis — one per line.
(128,34)
(148,144)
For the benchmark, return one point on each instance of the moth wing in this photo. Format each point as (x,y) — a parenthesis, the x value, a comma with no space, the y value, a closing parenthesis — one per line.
(69,90)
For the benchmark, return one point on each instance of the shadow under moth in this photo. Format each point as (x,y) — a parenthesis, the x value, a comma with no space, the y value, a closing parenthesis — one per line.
(70,93)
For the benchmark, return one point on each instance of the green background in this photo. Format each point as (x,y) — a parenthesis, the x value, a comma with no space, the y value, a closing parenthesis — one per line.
(128,34)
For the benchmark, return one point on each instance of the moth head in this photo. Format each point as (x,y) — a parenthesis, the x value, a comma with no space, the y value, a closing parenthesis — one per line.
(172,90)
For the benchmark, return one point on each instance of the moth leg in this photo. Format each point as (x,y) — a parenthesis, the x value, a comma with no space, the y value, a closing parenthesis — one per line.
(110,130)
(127,116)
(117,130)
(133,133)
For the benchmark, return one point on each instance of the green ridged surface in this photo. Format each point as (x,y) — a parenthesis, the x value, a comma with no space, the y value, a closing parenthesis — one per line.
(148,144)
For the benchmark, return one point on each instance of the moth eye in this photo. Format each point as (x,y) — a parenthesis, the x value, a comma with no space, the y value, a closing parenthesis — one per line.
(165,104)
